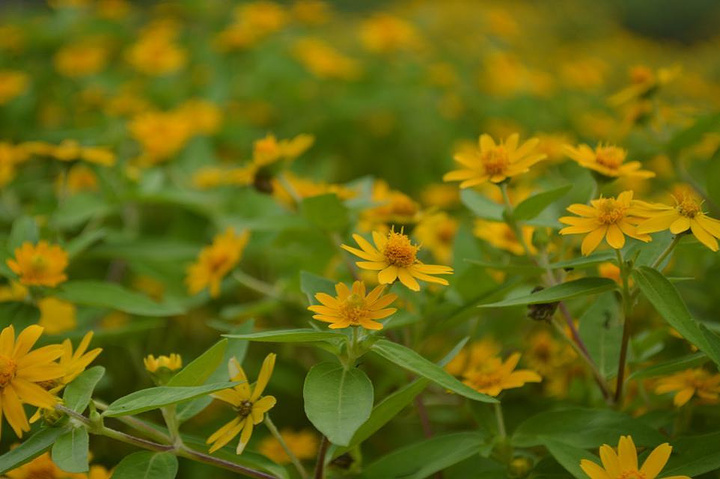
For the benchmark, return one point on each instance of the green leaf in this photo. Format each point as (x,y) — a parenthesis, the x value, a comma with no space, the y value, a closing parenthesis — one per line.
(601,331)
(585,261)
(583,428)
(423,459)
(693,134)
(667,301)
(693,456)
(408,359)
(154,398)
(569,456)
(79,392)
(147,465)
(113,296)
(325,212)
(70,451)
(337,400)
(30,448)
(291,336)
(671,366)
(198,371)
(310,284)
(19,314)
(78,209)
(84,241)
(24,229)
(536,204)
(511,266)
(560,292)
(481,205)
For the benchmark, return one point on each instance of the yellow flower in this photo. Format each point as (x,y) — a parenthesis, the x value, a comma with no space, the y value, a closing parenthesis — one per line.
(354,307)
(13,291)
(98,155)
(623,464)
(643,83)
(173,362)
(79,178)
(74,363)
(502,236)
(216,261)
(394,208)
(43,467)
(607,160)
(494,162)
(161,134)
(384,33)
(156,54)
(204,116)
(303,444)
(473,356)
(689,383)
(81,59)
(687,214)
(285,191)
(12,84)
(39,265)
(494,376)
(607,218)
(436,232)
(248,403)
(10,157)
(325,61)
(22,374)
(394,256)
(57,316)
(311,12)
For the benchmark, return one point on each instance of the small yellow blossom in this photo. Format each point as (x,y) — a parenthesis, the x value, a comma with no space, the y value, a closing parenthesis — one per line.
(303,445)
(204,116)
(606,218)
(10,158)
(607,160)
(474,355)
(156,54)
(325,61)
(643,83)
(79,178)
(494,376)
(495,162)
(311,12)
(354,307)
(436,232)
(393,208)
(689,383)
(394,256)
(81,59)
(161,134)
(172,362)
(57,316)
(39,265)
(502,236)
(12,84)
(43,467)
(623,464)
(383,33)
(216,261)
(248,402)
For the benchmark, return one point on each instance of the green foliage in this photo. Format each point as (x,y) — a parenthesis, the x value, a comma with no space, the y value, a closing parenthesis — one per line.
(113,296)
(70,450)
(198,371)
(155,398)
(147,465)
(536,204)
(79,392)
(601,331)
(326,212)
(572,289)
(30,448)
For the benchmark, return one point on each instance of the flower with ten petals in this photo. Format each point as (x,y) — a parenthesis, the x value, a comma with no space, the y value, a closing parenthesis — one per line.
(353,307)
(39,265)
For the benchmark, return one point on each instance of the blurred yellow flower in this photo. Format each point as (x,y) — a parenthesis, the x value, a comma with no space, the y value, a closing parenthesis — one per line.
(39,265)
(354,307)
(606,218)
(325,61)
(56,315)
(156,54)
(79,178)
(689,383)
(172,362)
(216,261)
(502,236)
(204,116)
(81,59)
(248,403)
(10,157)
(43,467)
(436,232)
(495,162)
(383,33)
(394,256)
(12,84)
(311,12)
(608,161)
(495,376)
(394,208)
(473,356)
(160,134)
(303,444)
(623,464)
(643,83)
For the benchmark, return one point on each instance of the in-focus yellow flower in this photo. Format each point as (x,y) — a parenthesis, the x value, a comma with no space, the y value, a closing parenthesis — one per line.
(248,402)
(502,236)
(43,467)
(394,256)
(607,160)
(354,307)
(216,261)
(691,382)
(623,464)
(608,218)
(494,162)
(74,363)
(12,84)
(57,316)
(303,444)
(687,214)
(81,59)
(23,373)
(172,362)
(39,265)
(494,376)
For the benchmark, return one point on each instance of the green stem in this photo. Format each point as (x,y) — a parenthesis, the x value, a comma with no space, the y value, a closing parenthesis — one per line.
(256,285)
(320,464)
(500,420)
(666,252)
(296,462)
(170,415)
(627,311)
(513,224)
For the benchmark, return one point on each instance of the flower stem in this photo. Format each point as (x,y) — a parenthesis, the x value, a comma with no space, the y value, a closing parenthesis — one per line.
(627,311)
(320,464)
(666,252)
(256,285)
(500,420)
(296,462)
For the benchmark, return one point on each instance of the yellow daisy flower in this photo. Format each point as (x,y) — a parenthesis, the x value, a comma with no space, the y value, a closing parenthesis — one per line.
(39,265)
(22,374)
(607,160)
(689,383)
(608,218)
(216,261)
(354,307)
(687,214)
(495,162)
(394,256)
(623,464)
(248,402)
(494,376)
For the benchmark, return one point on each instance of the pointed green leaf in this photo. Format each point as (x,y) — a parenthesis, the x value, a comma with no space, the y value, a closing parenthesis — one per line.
(671,366)
(70,451)
(79,392)
(560,292)
(154,398)
(536,204)
(291,336)
(569,456)
(198,371)
(601,331)
(147,465)
(113,296)
(326,212)
(30,448)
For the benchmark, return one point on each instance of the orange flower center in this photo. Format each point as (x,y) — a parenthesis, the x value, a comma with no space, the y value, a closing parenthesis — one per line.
(610,211)
(38,263)
(689,208)
(610,157)
(8,368)
(632,475)
(399,250)
(218,260)
(353,309)
(495,161)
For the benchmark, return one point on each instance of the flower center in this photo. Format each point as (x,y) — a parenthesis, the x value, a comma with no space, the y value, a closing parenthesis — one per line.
(610,157)
(610,211)
(688,207)
(354,308)
(399,250)
(38,263)
(641,75)
(244,409)
(218,260)
(633,474)
(8,368)
(485,380)
(495,161)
